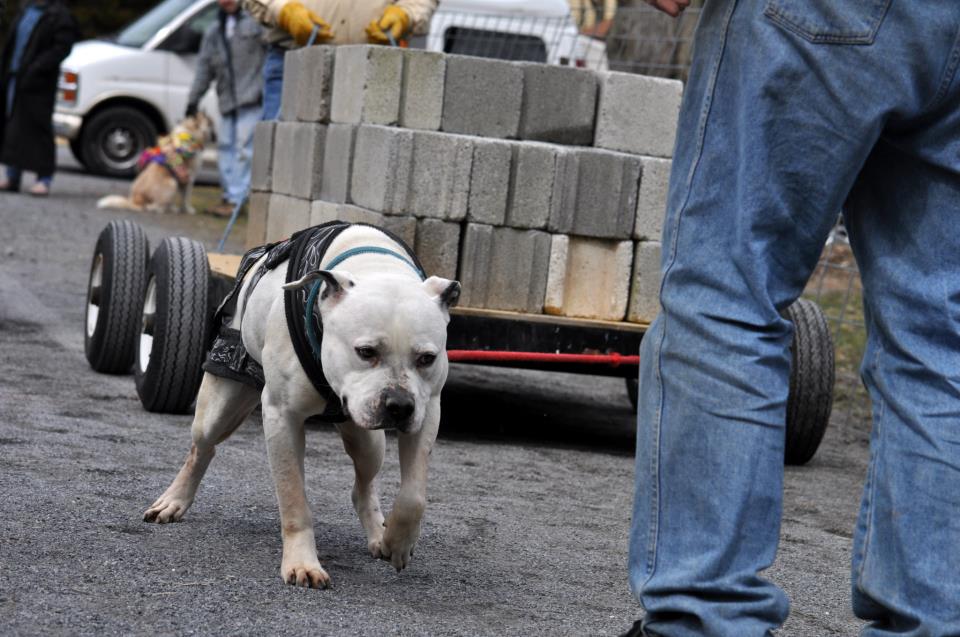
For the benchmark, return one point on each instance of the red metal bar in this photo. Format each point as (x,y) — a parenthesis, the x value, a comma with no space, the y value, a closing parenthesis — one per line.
(479,356)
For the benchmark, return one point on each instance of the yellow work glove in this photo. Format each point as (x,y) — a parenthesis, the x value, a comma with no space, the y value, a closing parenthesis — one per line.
(299,21)
(394,19)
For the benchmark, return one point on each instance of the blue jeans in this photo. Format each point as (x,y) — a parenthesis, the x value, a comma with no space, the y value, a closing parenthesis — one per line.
(235,151)
(272,82)
(794,110)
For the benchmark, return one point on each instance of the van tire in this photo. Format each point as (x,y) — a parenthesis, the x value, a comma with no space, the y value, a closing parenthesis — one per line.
(113,140)
(173,337)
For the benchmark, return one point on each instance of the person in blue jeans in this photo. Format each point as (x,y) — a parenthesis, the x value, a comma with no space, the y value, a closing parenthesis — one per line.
(232,55)
(796,109)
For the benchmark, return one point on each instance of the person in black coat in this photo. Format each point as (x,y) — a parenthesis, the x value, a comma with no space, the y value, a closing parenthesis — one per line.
(40,37)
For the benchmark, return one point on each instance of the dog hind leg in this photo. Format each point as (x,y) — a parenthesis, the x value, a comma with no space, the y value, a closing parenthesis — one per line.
(222,405)
(366,449)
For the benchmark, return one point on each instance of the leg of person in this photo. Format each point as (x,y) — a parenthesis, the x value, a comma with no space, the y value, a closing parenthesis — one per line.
(41,188)
(272,82)
(247,118)
(902,218)
(227,154)
(12,181)
(783,105)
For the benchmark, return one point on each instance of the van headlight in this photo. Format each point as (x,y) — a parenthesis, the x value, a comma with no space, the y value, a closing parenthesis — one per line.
(67,87)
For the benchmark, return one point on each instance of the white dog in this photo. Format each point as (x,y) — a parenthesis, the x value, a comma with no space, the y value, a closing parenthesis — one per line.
(383,353)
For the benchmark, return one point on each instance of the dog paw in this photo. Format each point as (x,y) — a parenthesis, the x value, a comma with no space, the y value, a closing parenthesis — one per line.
(166,509)
(309,575)
(398,550)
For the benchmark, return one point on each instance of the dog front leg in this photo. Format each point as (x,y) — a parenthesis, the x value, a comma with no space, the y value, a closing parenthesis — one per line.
(285,447)
(403,524)
(187,196)
(366,449)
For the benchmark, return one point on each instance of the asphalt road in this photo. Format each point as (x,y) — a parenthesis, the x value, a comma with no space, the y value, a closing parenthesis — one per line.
(529,499)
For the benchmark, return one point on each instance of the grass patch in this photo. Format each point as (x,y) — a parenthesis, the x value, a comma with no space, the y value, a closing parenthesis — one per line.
(205,197)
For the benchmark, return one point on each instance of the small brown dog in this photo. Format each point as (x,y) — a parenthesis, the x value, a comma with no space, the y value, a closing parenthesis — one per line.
(167,170)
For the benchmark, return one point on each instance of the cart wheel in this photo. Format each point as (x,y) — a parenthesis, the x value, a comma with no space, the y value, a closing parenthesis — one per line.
(633,391)
(811,382)
(173,330)
(118,276)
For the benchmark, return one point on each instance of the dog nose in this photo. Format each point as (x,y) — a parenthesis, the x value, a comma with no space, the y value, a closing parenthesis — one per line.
(399,404)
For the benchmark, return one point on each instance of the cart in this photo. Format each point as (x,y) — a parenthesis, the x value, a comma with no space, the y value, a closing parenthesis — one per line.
(154,314)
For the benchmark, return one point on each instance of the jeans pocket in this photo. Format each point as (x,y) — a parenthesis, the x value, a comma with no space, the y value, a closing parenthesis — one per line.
(829,21)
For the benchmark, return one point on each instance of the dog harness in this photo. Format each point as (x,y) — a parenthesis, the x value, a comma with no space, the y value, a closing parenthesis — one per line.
(304,252)
(172,152)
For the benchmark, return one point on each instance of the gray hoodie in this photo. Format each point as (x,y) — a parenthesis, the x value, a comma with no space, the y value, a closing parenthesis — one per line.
(237,69)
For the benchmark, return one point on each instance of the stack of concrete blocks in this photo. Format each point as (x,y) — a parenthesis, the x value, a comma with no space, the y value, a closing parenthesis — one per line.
(541,188)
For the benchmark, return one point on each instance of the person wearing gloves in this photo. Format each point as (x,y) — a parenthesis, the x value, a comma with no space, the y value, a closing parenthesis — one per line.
(232,54)
(292,24)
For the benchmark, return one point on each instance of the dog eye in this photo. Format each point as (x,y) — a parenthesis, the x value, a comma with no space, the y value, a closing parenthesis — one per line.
(365,352)
(426,360)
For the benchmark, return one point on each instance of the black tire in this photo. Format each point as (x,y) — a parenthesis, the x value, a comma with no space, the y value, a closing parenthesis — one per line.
(118,277)
(173,333)
(633,391)
(77,151)
(114,138)
(811,382)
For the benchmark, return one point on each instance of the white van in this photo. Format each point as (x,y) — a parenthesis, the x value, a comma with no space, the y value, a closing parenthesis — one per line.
(116,95)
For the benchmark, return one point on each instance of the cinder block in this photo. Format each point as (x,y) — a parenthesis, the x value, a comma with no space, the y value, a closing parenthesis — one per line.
(645,286)
(298,159)
(261,169)
(285,216)
(404,227)
(315,79)
(338,163)
(652,198)
(366,84)
(638,114)
(595,194)
(559,104)
(257,208)
(324,211)
(382,162)
(292,81)
(490,181)
(589,278)
(440,184)
(504,268)
(534,184)
(482,97)
(438,247)
(421,104)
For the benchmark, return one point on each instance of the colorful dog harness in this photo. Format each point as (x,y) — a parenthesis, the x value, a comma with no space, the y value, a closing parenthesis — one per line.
(173,152)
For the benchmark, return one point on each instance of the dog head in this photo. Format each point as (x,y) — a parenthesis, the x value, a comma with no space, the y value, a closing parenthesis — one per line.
(384,344)
(199,126)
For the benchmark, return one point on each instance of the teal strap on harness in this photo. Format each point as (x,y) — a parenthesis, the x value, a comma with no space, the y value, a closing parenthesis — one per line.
(315,288)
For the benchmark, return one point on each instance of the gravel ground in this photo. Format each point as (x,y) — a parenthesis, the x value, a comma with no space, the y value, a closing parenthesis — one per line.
(529,499)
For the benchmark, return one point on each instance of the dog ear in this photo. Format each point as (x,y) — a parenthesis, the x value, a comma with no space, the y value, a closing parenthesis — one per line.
(446,292)
(336,282)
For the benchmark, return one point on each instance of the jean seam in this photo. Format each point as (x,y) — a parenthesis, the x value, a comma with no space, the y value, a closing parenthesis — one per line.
(655,457)
(872,478)
(948,75)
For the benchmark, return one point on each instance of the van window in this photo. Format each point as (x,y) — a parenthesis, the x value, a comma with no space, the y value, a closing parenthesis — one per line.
(494,44)
(146,26)
(188,36)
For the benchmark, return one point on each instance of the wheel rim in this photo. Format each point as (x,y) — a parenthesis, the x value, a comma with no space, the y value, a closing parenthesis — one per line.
(119,147)
(147,325)
(94,292)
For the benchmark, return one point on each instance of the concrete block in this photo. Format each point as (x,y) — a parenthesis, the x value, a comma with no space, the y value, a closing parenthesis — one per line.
(438,247)
(403,227)
(324,211)
(257,208)
(482,97)
(504,268)
(382,162)
(285,216)
(338,163)
(490,181)
(638,114)
(366,85)
(315,79)
(559,104)
(261,169)
(652,198)
(589,278)
(421,102)
(440,180)
(291,87)
(298,159)
(645,286)
(595,194)
(533,181)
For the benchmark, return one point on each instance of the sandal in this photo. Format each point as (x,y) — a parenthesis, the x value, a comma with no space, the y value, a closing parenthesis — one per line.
(39,189)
